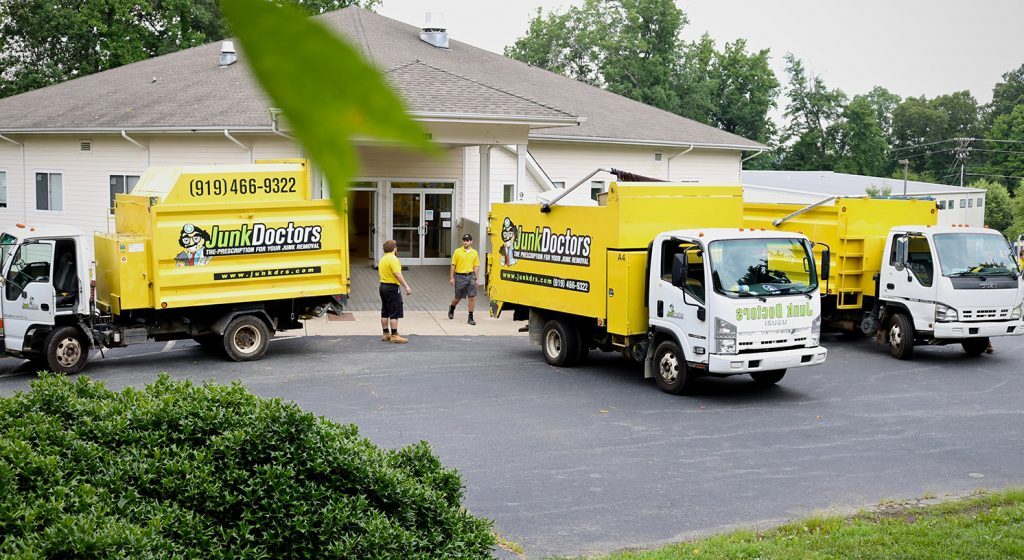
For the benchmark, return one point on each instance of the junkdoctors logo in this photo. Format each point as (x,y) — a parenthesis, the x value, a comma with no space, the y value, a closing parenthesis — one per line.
(544,245)
(261,238)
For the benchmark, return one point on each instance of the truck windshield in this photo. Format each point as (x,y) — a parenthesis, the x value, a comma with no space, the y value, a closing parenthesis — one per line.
(975,254)
(762,267)
(7,242)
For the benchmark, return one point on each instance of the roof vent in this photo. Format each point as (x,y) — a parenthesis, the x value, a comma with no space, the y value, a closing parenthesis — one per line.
(227,54)
(434,32)
(85,146)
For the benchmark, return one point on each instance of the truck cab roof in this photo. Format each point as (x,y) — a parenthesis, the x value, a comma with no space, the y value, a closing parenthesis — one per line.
(943,229)
(21,232)
(734,233)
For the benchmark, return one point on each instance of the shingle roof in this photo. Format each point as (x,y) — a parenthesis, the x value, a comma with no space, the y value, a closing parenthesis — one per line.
(188,89)
(842,184)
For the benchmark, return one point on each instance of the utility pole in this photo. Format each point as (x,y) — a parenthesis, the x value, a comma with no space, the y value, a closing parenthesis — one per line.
(906,170)
(962,153)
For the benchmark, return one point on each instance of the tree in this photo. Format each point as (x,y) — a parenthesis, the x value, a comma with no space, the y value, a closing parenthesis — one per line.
(1006,155)
(884,102)
(810,139)
(49,41)
(746,92)
(874,191)
(862,149)
(1007,95)
(998,205)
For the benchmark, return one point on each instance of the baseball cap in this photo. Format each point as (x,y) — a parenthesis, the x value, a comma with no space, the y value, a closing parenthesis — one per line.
(467,237)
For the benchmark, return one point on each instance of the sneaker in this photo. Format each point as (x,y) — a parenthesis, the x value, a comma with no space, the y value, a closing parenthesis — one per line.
(386,337)
(399,339)
(471,321)
(451,312)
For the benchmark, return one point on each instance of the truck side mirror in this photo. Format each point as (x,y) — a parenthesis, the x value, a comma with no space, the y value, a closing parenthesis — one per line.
(901,253)
(679,268)
(826,263)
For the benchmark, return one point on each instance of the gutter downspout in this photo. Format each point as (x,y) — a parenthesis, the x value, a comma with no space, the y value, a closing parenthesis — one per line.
(742,161)
(235,140)
(133,141)
(668,164)
(24,177)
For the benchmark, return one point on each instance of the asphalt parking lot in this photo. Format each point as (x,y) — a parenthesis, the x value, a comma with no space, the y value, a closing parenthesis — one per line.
(596,459)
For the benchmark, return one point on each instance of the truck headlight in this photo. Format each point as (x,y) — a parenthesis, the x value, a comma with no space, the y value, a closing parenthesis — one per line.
(1017,312)
(815,332)
(725,337)
(945,314)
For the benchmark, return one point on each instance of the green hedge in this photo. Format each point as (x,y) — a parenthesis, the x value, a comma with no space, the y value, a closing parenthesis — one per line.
(186,471)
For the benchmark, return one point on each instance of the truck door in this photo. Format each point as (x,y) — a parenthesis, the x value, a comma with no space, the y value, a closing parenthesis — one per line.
(679,295)
(28,294)
(909,277)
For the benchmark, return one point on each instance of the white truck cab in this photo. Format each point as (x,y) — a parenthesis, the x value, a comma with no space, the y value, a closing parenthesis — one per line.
(45,285)
(731,301)
(949,284)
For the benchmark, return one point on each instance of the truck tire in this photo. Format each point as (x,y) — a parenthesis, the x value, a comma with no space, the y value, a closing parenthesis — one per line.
(975,346)
(65,350)
(210,342)
(900,335)
(670,369)
(560,343)
(246,339)
(768,378)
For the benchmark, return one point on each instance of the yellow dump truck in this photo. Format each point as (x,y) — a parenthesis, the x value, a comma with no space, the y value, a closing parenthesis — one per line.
(225,255)
(664,274)
(909,284)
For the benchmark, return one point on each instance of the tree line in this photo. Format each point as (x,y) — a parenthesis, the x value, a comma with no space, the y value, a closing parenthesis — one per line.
(635,48)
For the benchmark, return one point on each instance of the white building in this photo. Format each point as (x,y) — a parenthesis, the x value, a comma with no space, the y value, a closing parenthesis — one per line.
(956,205)
(517,130)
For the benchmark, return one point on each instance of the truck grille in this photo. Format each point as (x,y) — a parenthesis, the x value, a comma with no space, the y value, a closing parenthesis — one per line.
(772,340)
(985,314)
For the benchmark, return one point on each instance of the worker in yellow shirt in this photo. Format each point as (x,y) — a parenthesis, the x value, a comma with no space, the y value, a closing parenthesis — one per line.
(390,270)
(465,266)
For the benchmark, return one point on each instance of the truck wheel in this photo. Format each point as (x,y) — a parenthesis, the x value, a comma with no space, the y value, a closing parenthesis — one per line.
(901,336)
(560,343)
(768,378)
(66,350)
(670,369)
(975,346)
(246,339)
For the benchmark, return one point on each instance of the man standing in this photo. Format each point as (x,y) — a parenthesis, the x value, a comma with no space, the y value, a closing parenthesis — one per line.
(465,266)
(390,270)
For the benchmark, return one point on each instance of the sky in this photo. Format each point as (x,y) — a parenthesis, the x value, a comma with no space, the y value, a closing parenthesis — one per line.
(910,47)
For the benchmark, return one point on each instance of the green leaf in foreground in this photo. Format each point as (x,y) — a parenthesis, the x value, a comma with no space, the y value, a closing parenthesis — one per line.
(328,92)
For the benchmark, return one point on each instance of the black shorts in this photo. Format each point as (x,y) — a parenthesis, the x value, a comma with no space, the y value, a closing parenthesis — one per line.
(391,301)
(465,285)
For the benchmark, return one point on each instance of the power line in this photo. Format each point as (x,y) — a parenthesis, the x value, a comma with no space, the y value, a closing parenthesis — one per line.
(996,151)
(993,175)
(928,144)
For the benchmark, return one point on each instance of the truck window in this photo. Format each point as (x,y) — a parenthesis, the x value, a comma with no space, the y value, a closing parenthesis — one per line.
(762,267)
(974,254)
(31,263)
(919,259)
(694,275)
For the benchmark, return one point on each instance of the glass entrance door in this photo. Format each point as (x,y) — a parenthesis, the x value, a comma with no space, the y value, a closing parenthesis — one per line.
(421,223)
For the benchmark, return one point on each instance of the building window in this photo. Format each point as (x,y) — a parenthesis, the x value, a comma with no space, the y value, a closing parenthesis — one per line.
(508,192)
(963,203)
(121,184)
(3,189)
(942,205)
(981,202)
(970,203)
(49,192)
(596,188)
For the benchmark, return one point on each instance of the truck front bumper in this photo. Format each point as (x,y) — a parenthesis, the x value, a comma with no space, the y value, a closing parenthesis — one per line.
(728,364)
(978,330)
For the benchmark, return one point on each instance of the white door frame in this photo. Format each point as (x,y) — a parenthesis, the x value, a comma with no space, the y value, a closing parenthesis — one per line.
(453,192)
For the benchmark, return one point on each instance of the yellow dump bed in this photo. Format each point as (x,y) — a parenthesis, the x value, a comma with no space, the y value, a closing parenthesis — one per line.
(203,235)
(855,229)
(591,261)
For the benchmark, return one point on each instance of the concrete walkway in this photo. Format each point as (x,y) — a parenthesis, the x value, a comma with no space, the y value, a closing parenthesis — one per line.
(417,323)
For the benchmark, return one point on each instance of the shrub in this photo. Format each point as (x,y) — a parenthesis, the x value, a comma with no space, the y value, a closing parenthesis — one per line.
(212,471)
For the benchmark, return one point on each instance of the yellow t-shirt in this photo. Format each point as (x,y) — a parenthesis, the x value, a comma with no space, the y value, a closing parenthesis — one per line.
(464,260)
(388,268)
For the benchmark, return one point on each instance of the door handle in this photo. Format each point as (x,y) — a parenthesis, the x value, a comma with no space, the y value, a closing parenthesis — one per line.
(890,286)
(45,306)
